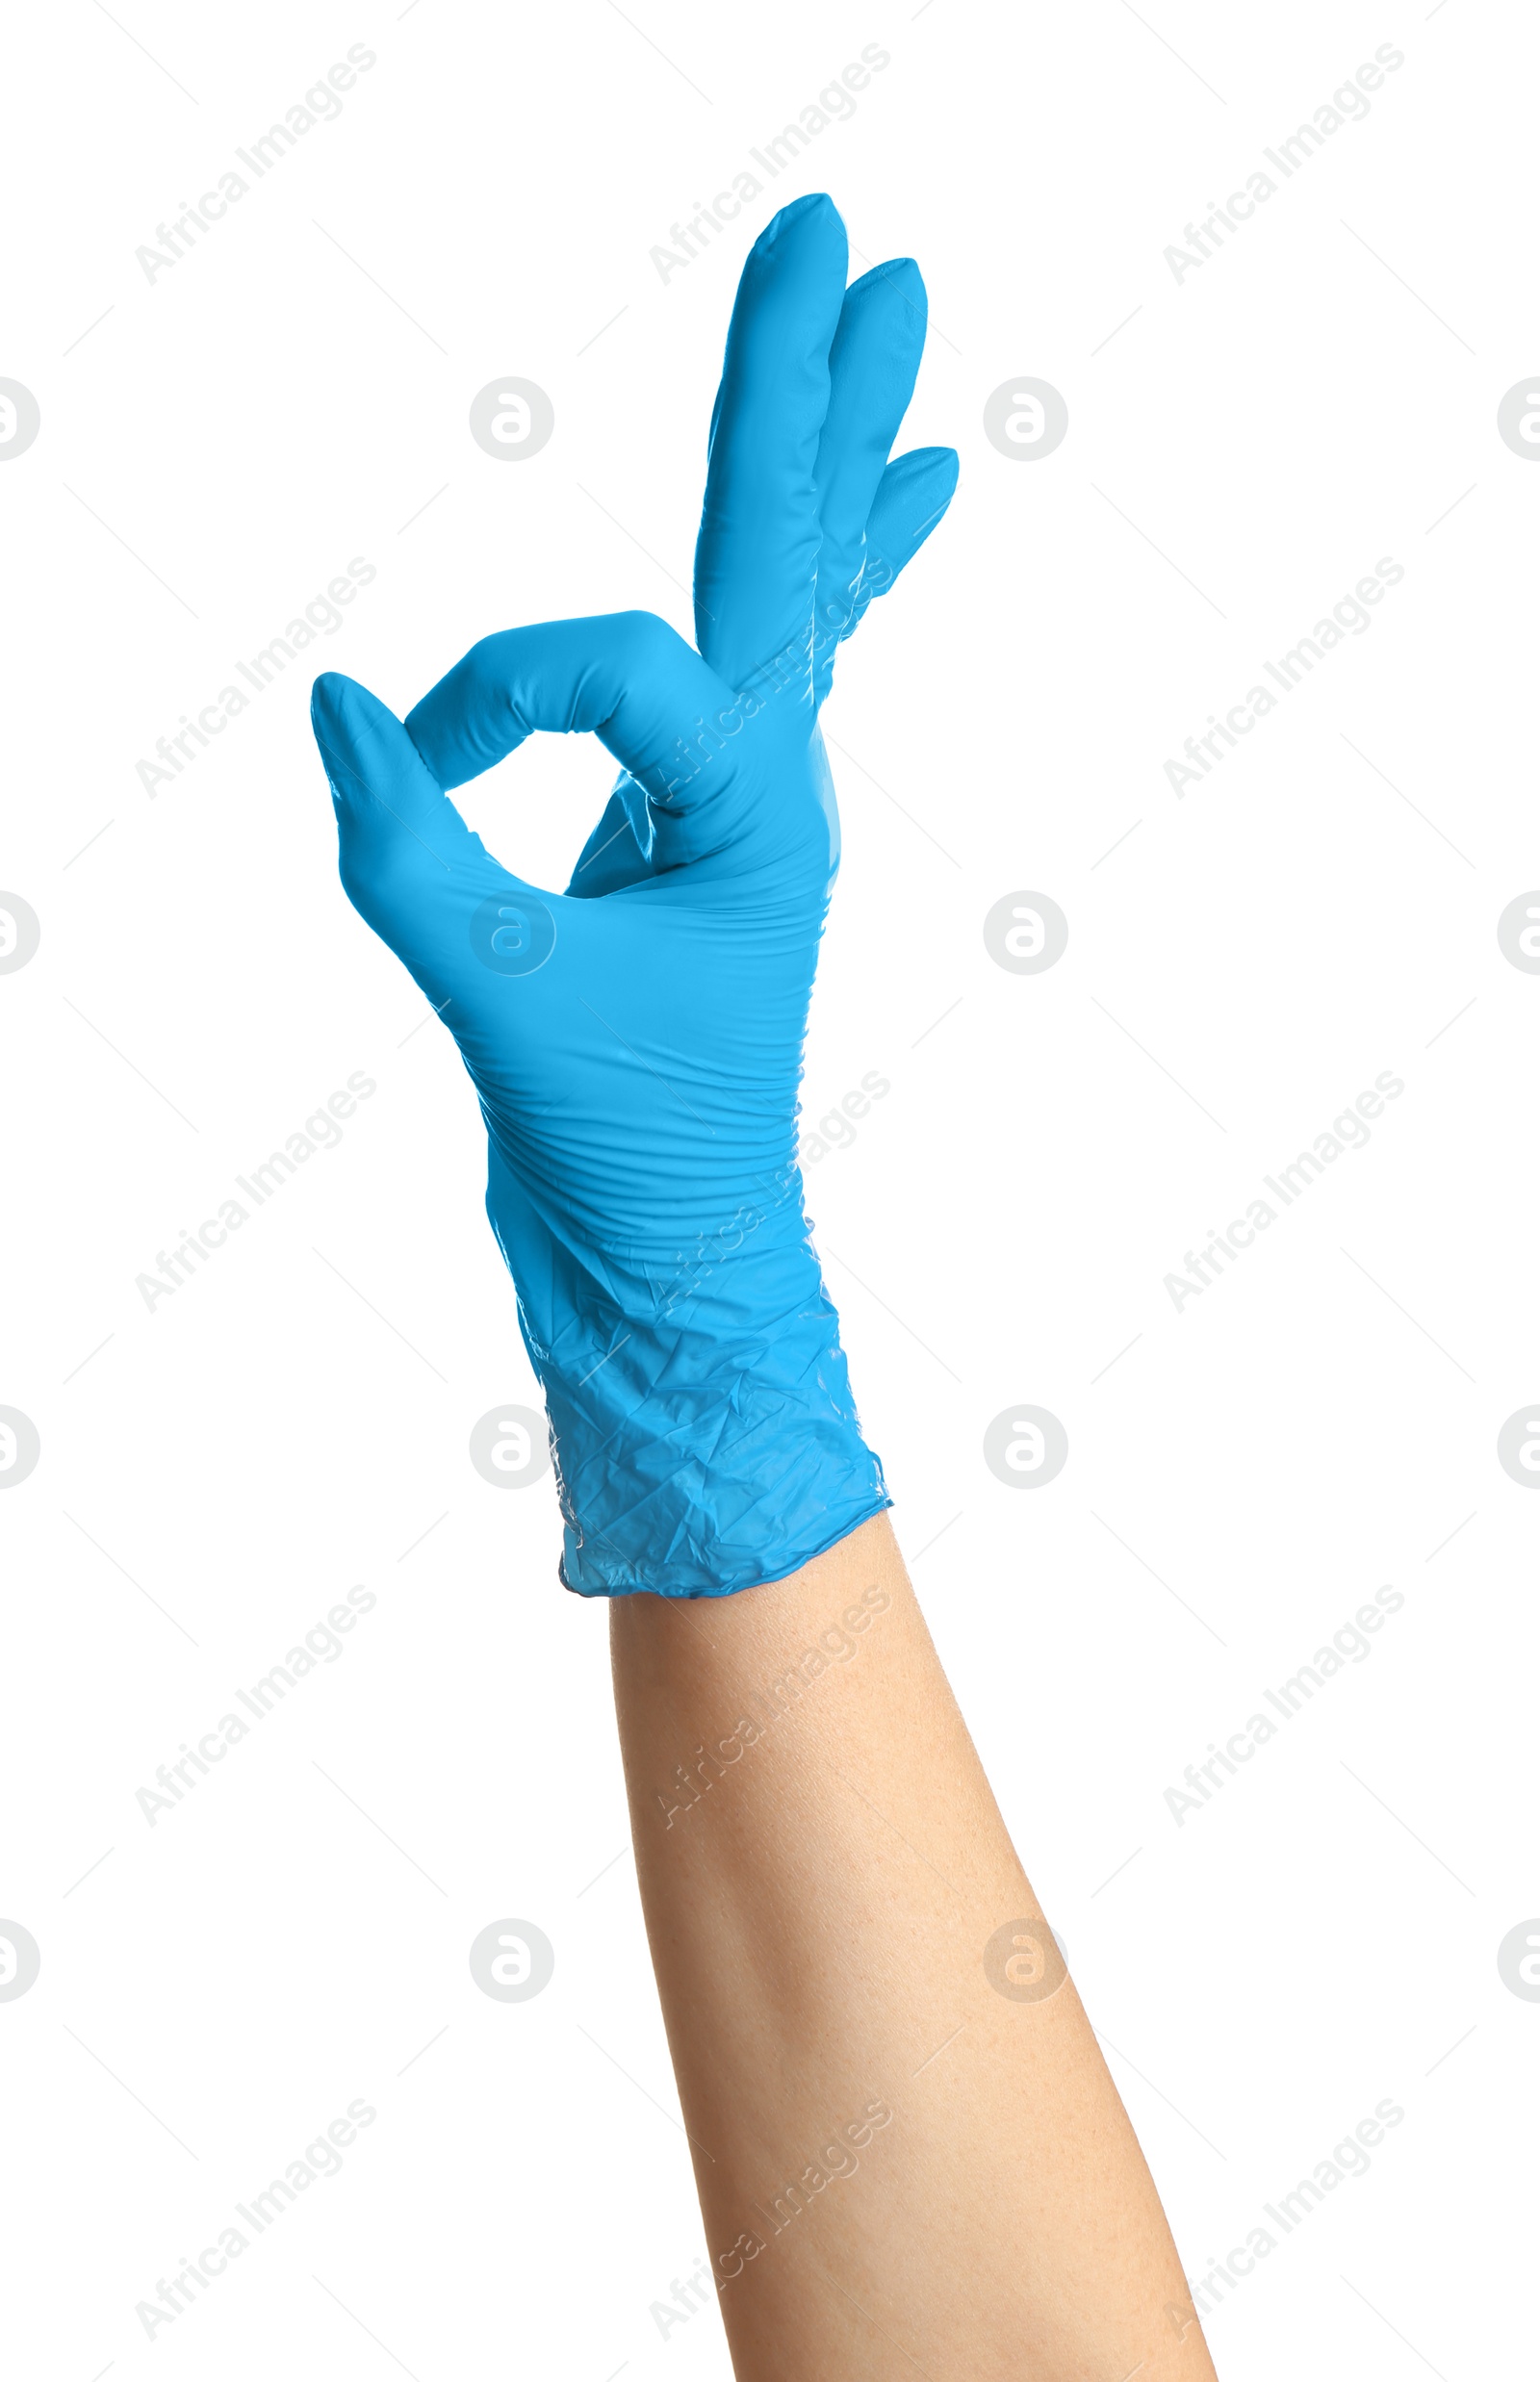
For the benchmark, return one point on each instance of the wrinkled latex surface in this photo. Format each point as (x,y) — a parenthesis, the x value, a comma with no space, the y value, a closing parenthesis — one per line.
(636,1042)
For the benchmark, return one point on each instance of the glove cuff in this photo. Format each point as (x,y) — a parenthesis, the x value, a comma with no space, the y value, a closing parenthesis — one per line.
(713,1447)
(691,1465)
(703,1431)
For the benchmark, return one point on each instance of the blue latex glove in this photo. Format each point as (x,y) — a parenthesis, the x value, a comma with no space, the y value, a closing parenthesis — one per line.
(637,1042)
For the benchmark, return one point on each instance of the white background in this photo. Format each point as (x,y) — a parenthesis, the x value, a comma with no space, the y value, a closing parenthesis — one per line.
(1243,1472)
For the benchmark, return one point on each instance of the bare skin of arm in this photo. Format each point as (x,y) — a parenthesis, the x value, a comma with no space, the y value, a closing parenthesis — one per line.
(909,2154)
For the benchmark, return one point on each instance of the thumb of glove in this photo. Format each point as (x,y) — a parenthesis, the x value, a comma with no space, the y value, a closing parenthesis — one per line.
(402,843)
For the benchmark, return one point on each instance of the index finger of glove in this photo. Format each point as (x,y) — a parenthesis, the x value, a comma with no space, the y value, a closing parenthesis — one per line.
(627,678)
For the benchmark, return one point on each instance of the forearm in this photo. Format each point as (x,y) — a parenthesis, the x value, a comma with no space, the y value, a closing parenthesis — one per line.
(823,1869)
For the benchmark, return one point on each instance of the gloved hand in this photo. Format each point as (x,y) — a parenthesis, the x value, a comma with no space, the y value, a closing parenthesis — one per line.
(636,1041)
